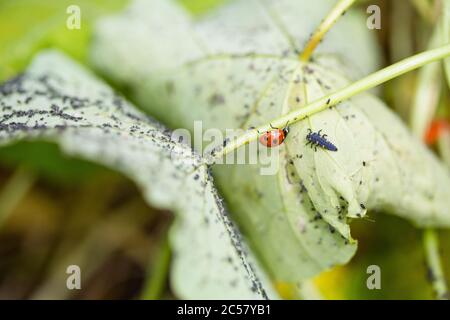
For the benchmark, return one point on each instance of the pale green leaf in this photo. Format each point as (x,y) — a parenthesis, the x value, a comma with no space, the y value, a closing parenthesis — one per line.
(238,68)
(56,100)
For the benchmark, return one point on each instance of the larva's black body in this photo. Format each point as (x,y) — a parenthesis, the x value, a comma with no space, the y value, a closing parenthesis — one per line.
(316,139)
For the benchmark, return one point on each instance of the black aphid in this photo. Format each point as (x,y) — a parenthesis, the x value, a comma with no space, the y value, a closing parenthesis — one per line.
(316,139)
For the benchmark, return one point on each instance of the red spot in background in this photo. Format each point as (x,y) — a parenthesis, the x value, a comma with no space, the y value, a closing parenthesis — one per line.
(436,129)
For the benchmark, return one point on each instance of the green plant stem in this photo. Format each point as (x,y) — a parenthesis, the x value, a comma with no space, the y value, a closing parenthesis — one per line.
(445,27)
(154,286)
(431,241)
(424,9)
(436,275)
(14,190)
(334,98)
(427,92)
(326,24)
(423,111)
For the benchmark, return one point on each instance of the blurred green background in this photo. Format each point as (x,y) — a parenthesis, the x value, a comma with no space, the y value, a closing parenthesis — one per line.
(52,215)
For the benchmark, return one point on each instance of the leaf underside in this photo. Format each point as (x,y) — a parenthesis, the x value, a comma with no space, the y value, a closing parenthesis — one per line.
(238,67)
(56,100)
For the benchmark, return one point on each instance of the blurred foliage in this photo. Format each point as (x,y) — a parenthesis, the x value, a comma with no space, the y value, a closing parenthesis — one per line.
(30,25)
(395,246)
(45,159)
(114,233)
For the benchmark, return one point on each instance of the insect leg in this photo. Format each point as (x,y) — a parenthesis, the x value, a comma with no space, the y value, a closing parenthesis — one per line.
(286,128)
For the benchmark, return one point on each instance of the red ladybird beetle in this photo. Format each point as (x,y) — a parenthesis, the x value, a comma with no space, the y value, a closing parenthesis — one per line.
(274,137)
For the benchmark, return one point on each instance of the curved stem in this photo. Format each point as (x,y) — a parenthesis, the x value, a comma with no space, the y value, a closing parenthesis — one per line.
(326,24)
(334,98)
(435,273)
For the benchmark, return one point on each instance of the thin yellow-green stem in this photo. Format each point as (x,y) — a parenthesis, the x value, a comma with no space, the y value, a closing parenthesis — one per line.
(14,190)
(427,92)
(424,109)
(425,9)
(338,10)
(431,240)
(158,276)
(435,273)
(334,98)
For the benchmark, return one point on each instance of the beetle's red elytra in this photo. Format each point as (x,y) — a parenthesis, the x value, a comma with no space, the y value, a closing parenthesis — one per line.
(273,137)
